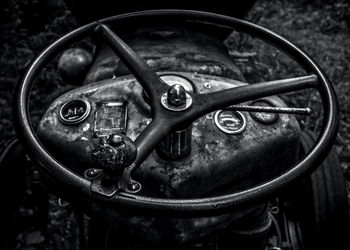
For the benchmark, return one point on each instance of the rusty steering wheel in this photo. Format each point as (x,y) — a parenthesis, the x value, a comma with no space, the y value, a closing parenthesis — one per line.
(164,121)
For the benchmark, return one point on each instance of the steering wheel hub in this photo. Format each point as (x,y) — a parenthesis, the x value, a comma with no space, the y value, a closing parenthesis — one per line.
(176,98)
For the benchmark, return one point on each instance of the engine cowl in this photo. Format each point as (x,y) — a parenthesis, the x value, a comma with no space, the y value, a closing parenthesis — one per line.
(229,149)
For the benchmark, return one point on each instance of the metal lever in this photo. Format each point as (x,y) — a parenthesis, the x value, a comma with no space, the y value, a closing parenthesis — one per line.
(286,110)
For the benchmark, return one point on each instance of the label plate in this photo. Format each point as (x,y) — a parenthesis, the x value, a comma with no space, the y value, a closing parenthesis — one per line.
(110,117)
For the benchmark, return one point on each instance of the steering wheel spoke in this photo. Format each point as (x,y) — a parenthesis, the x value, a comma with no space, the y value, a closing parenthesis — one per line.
(205,103)
(146,76)
(145,144)
(150,138)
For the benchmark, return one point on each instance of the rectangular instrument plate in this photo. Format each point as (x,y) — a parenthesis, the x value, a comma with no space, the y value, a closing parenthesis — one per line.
(110,117)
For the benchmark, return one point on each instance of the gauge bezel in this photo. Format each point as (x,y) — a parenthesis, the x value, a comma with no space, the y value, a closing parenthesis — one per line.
(238,131)
(79,119)
(261,121)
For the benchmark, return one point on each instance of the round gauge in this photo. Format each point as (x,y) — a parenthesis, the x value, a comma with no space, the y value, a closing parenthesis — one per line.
(263,117)
(230,121)
(74,112)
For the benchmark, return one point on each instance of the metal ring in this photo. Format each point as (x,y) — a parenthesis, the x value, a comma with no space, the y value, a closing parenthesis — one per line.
(76,120)
(238,131)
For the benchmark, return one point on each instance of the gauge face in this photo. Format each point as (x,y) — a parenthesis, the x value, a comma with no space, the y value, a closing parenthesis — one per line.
(230,121)
(263,117)
(74,112)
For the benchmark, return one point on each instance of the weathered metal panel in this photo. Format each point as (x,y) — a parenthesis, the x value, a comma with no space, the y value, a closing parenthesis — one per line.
(216,158)
(217,161)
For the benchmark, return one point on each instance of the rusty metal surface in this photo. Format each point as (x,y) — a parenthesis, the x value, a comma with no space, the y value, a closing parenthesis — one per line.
(217,161)
(216,158)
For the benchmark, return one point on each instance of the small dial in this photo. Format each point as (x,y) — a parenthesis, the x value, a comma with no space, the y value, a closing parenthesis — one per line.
(263,117)
(74,112)
(230,121)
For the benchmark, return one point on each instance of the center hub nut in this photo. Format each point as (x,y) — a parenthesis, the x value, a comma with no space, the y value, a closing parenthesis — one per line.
(176,98)
(176,95)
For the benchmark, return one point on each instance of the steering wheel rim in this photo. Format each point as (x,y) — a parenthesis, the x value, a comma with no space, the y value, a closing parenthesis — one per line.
(179,207)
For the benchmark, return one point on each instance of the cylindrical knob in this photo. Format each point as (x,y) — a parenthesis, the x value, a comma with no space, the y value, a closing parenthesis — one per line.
(176,145)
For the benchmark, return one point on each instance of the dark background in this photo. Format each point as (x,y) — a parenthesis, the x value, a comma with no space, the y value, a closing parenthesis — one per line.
(321,27)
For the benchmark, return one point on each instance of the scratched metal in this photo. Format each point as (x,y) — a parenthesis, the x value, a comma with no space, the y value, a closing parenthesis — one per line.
(217,162)
(216,158)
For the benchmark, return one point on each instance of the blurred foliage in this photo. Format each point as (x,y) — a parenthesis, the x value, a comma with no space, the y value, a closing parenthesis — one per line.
(27,27)
(337,10)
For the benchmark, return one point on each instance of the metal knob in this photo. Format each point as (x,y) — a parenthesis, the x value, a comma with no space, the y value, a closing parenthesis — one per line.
(176,95)
(73,65)
(113,154)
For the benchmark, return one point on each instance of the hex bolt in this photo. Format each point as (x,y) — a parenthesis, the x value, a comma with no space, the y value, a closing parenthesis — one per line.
(91,173)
